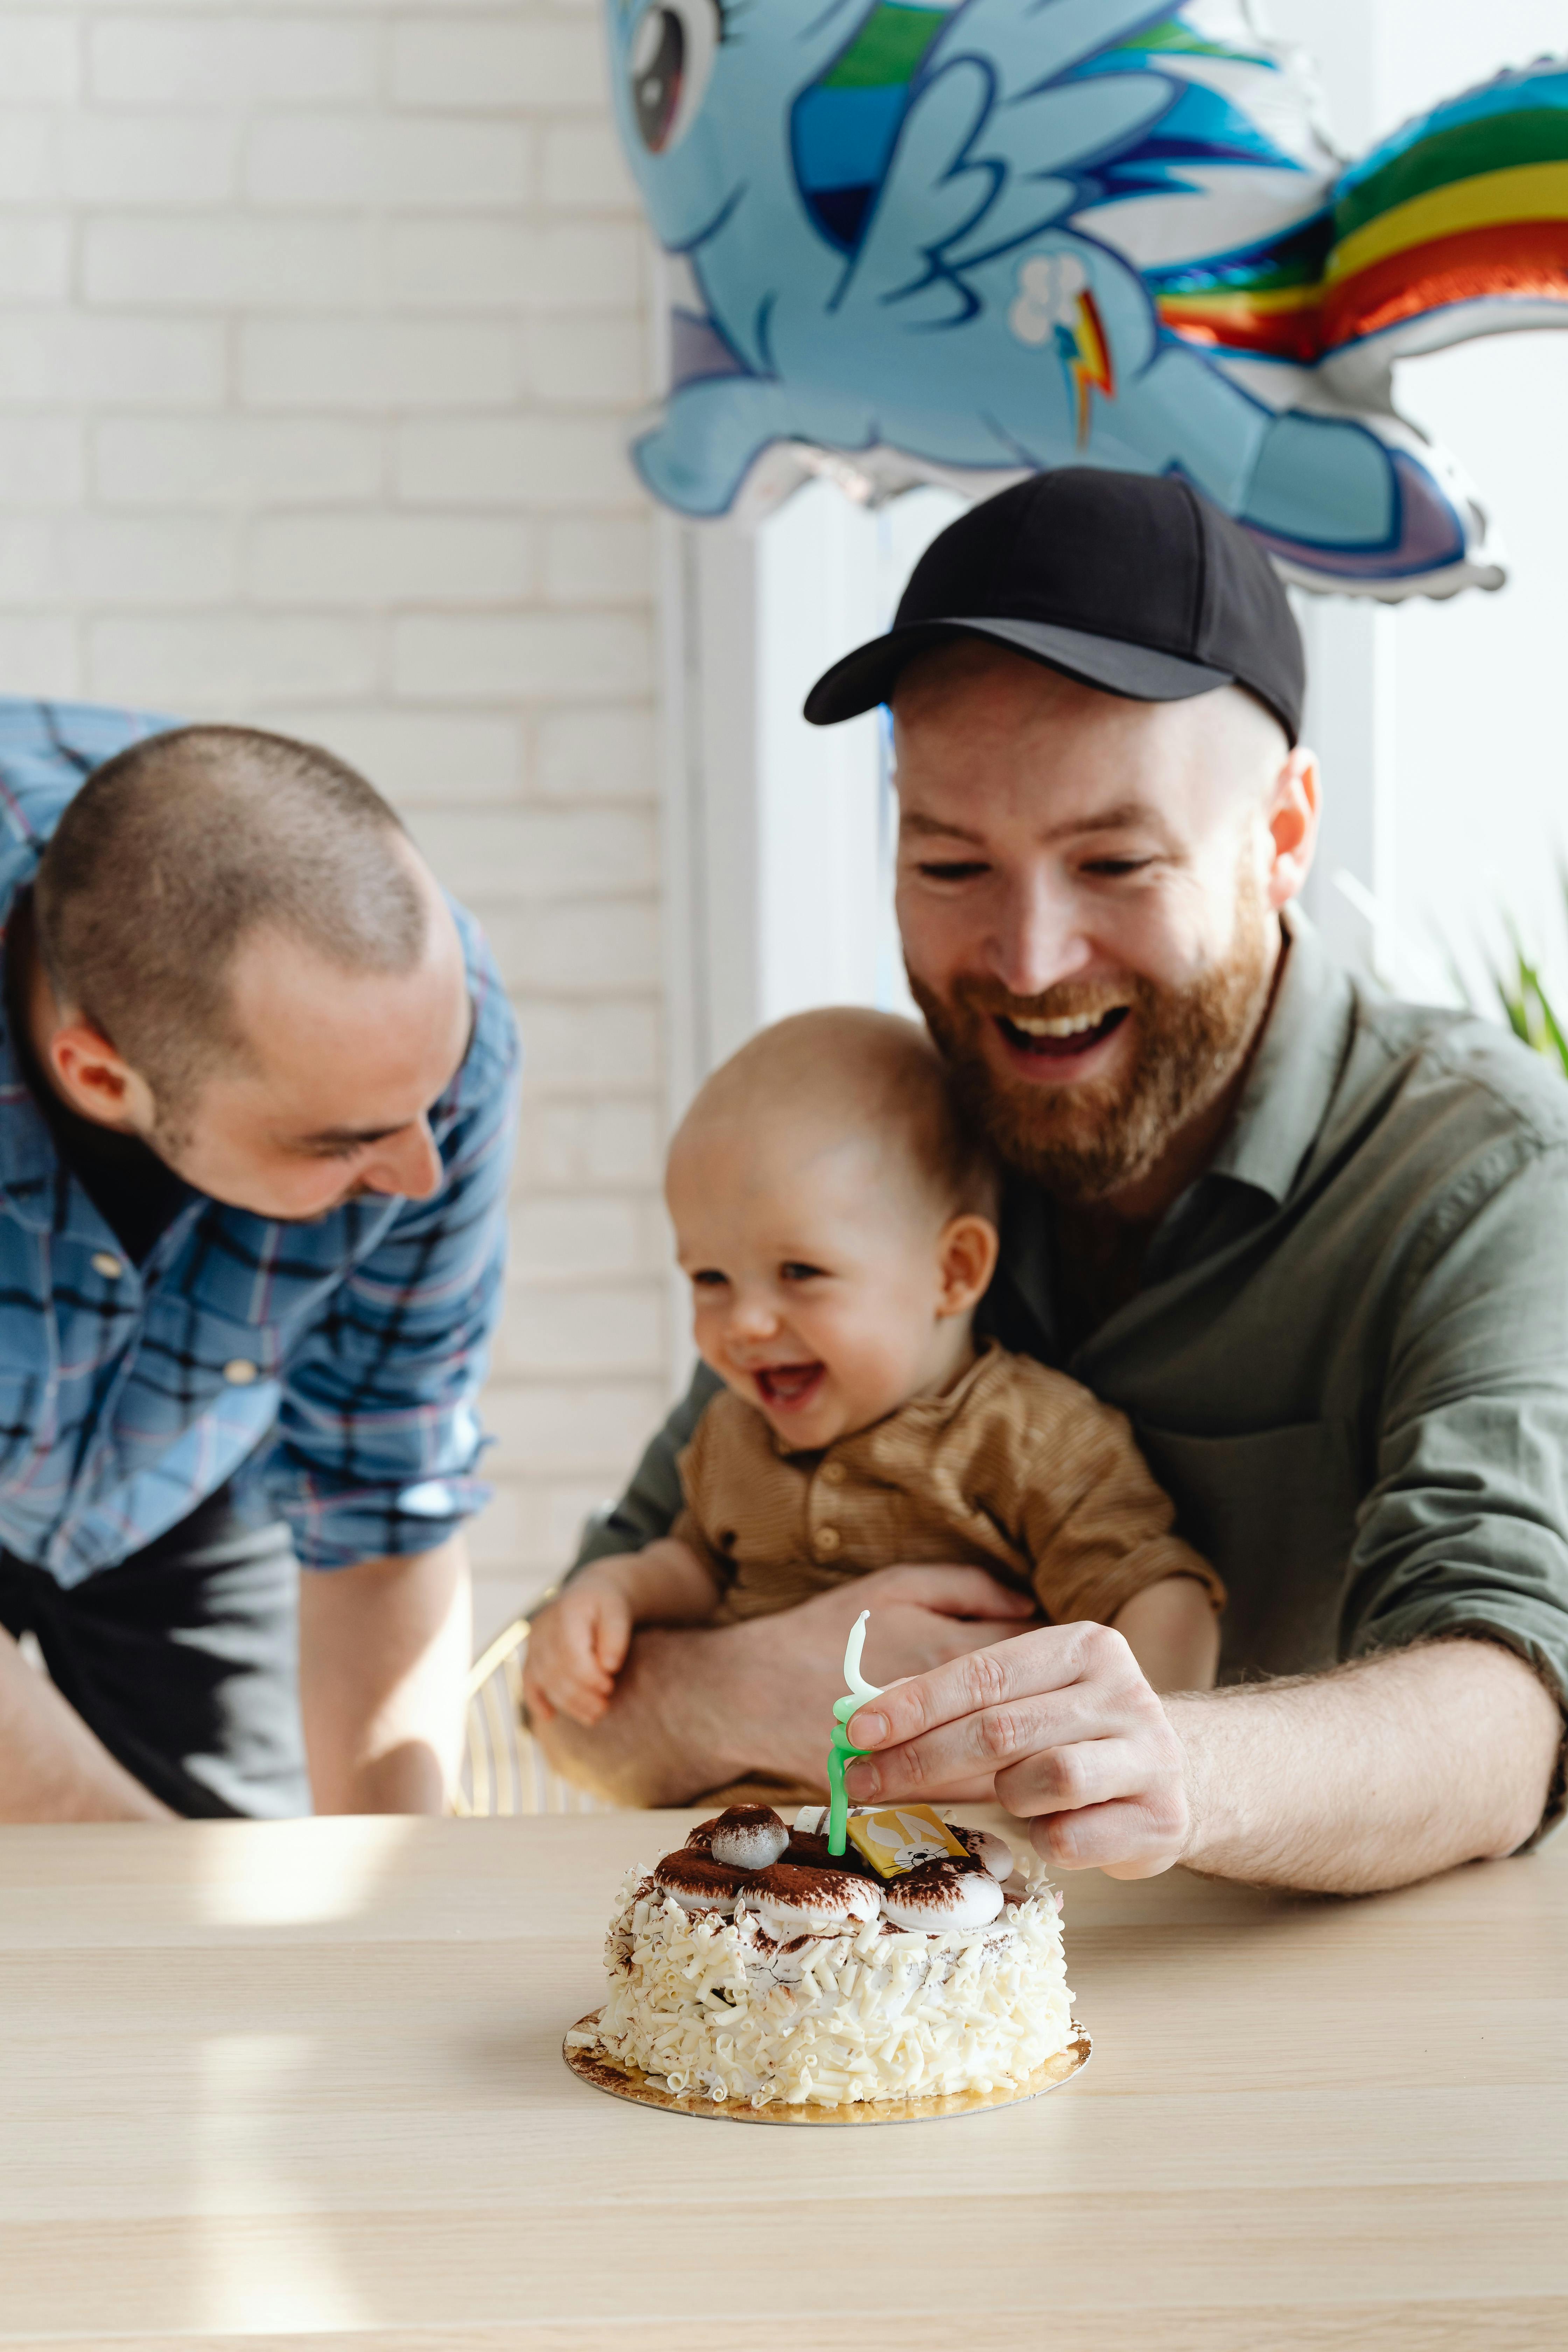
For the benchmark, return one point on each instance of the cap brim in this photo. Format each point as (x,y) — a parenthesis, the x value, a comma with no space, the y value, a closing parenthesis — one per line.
(868,675)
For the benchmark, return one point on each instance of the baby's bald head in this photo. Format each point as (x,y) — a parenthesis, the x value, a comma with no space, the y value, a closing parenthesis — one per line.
(822,1081)
(835,1221)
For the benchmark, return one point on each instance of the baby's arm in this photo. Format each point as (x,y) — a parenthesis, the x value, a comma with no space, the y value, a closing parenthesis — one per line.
(578,1644)
(1172,1631)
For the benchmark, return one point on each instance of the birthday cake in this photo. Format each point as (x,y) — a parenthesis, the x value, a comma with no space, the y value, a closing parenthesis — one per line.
(752,1965)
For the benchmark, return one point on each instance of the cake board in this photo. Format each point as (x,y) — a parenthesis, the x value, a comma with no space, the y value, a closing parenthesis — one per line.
(619,2081)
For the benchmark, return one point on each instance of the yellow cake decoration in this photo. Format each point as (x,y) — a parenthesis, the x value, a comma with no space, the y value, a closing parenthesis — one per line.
(900,1837)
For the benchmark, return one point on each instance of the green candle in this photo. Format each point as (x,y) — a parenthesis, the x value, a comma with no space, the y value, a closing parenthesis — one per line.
(840,1753)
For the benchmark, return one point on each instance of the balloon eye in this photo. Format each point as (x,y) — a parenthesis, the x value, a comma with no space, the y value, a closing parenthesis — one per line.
(672,56)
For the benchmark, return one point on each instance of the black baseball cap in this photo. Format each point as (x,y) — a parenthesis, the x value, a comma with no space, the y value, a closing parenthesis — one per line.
(1133,582)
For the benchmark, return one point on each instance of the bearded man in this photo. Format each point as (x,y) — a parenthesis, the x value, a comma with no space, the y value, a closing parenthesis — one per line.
(1313,1243)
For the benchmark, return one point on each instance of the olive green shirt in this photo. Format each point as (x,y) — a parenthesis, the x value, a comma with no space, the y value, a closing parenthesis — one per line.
(1347,1357)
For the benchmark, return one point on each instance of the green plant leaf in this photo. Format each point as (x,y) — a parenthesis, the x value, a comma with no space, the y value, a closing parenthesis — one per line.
(1556,1041)
(1511,999)
(1519,988)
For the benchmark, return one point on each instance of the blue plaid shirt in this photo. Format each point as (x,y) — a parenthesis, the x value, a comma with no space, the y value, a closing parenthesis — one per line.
(340,1361)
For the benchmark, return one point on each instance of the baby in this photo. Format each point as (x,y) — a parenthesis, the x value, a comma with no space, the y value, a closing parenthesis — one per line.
(837,1227)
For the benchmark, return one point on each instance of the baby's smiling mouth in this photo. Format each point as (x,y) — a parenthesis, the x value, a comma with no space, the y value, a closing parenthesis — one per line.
(1063,1037)
(788,1386)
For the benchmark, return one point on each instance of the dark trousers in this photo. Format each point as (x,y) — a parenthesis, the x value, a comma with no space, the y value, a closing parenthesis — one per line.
(184,1659)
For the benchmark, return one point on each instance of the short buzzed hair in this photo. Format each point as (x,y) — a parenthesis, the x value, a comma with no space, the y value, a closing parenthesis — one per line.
(882,1075)
(179,848)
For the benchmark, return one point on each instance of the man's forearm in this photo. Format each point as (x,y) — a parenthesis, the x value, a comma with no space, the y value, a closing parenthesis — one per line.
(52,1768)
(1374,1776)
(677,1725)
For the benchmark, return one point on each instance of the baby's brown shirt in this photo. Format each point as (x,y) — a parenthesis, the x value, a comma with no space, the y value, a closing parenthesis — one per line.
(1015,1469)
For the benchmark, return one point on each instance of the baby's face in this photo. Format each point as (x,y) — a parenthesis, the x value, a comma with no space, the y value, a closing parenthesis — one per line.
(816,1275)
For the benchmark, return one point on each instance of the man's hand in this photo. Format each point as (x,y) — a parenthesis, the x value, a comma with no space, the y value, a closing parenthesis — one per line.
(1080,1746)
(576,1647)
(694,1709)
(922,1618)
(1374,1774)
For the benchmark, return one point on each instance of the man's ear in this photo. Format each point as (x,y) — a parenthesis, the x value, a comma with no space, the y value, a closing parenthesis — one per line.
(95,1080)
(966,1260)
(1293,819)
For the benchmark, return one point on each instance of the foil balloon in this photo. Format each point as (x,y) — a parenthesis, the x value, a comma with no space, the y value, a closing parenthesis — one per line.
(960,240)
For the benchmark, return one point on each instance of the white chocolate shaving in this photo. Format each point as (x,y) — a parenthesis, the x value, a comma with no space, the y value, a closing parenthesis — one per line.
(714,2007)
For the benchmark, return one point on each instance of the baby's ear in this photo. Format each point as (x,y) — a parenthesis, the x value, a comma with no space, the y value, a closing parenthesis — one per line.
(966,1260)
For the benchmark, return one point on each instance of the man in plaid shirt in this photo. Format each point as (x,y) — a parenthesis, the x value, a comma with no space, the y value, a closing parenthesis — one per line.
(257,1096)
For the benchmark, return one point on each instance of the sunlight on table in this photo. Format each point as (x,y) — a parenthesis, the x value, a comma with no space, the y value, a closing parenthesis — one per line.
(323,1871)
(282,2273)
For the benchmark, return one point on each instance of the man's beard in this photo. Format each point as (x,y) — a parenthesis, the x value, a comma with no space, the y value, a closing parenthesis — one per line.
(1082,1141)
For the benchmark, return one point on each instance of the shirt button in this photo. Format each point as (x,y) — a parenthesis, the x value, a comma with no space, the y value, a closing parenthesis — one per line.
(108,1266)
(827,1540)
(832,1474)
(240,1372)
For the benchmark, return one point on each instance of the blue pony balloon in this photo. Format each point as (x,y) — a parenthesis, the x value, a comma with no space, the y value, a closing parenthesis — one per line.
(959,240)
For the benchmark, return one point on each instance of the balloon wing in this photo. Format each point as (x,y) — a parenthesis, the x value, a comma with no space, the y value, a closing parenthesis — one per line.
(1001,177)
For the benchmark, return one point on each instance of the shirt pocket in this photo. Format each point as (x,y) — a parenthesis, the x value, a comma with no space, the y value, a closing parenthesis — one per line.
(189,1358)
(1274,1510)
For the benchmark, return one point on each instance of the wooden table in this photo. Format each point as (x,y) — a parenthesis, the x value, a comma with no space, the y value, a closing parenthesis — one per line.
(302,2083)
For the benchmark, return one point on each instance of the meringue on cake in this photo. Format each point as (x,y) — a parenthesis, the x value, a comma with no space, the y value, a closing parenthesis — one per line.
(808,1978)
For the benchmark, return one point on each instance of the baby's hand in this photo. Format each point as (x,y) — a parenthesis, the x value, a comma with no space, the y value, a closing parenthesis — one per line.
(576,1649)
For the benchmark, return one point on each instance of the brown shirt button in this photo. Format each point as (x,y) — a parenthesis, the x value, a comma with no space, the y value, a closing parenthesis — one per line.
(827,1540)
(834,1474)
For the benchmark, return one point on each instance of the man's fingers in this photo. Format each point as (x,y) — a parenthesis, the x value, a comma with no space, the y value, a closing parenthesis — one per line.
(1080,1745)
(990,1740)
(987,1678)
(1048,1756)
(1134,1837)
(1074,1777)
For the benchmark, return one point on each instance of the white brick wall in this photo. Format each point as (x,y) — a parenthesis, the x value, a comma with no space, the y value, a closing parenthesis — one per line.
(320,325)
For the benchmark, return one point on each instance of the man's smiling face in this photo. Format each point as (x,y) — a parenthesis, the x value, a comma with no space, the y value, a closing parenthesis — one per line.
(1087,895)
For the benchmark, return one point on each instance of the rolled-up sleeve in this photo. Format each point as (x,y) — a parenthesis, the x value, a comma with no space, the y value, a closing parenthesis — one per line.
(1465,1530)
(378,1434)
